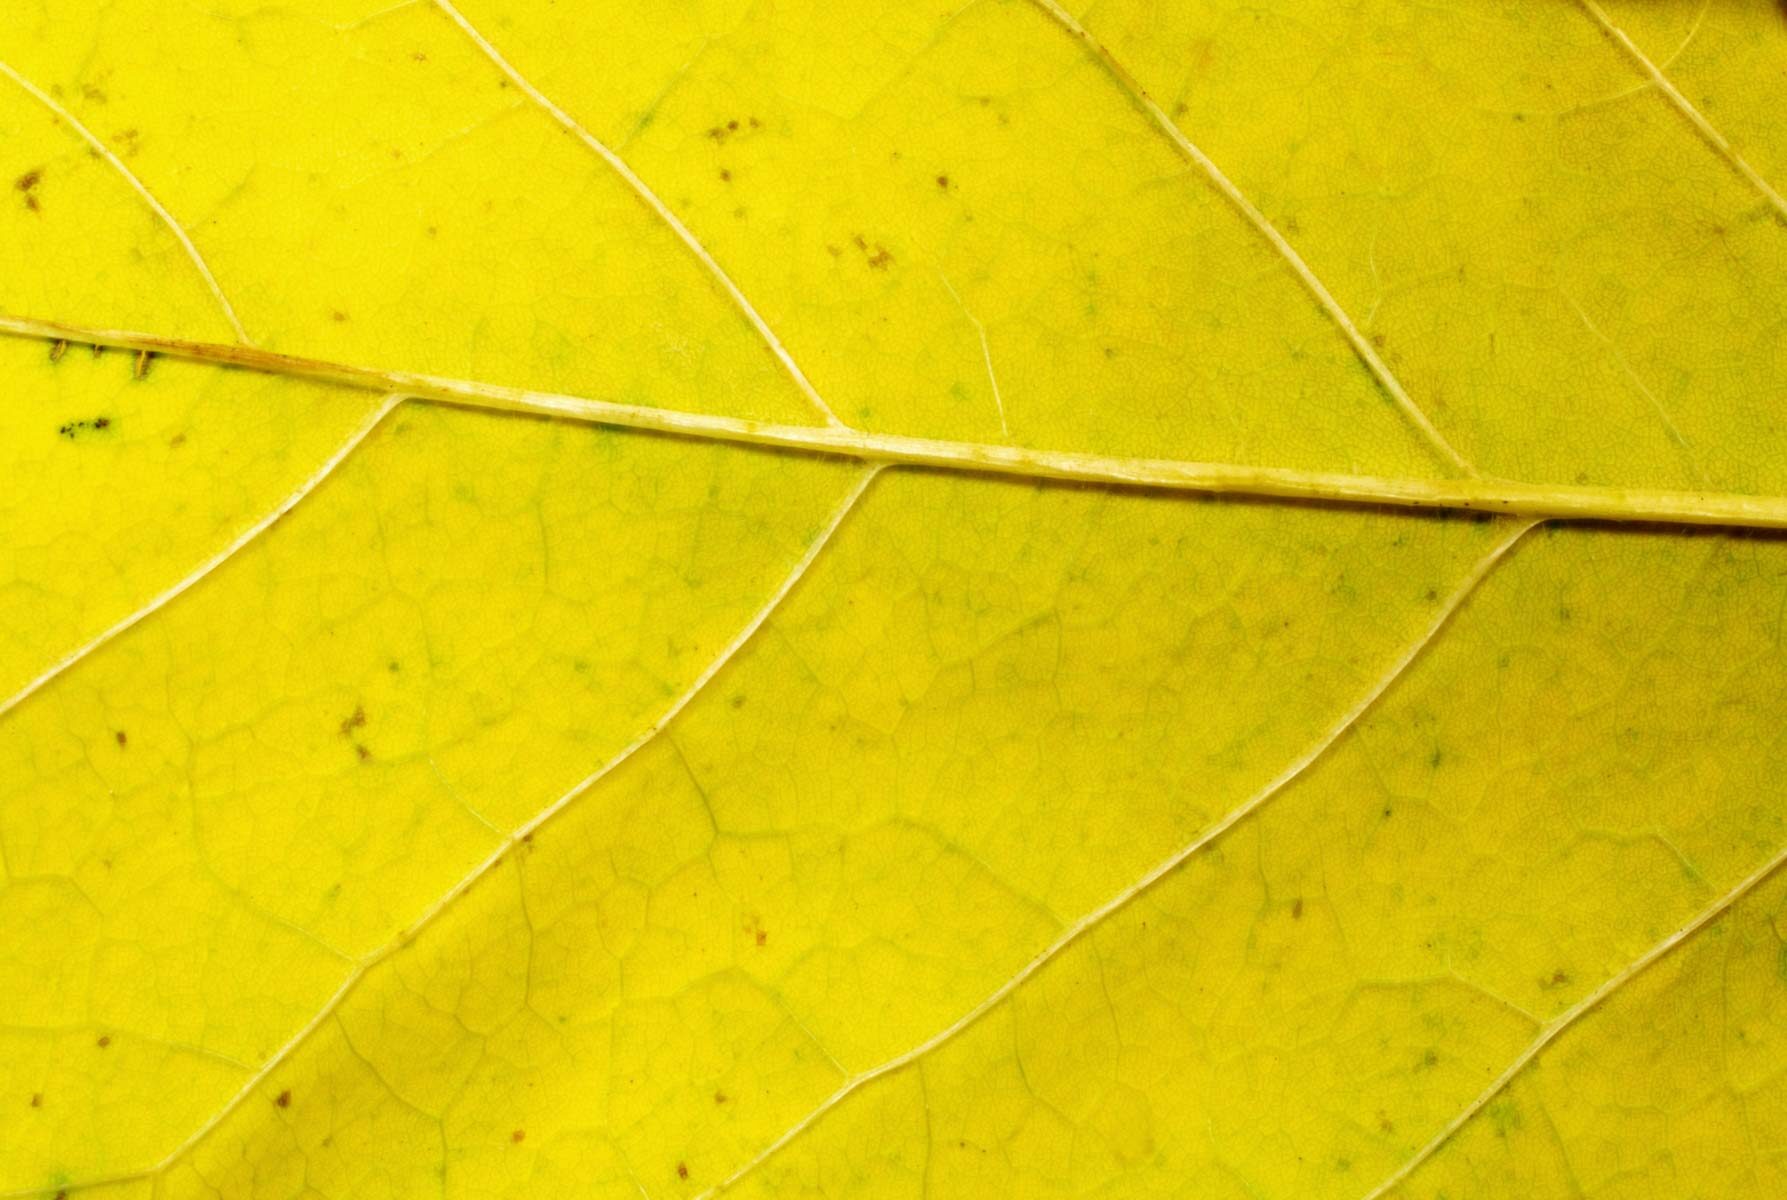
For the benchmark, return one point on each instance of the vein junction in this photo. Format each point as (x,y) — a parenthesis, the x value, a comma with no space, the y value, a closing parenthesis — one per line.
(1543,501)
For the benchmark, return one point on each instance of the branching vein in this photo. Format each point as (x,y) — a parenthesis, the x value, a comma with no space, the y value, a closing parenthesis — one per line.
(1570,1016)
(167,218)
(1683,105)
(1312,283)
(192,578)
(645,193)
(504,847)
(1072,933)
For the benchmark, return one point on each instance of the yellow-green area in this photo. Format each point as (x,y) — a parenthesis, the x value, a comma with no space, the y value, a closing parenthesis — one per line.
(399,799)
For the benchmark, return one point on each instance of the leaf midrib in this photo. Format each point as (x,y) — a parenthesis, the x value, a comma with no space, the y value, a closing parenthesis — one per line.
(1543,501)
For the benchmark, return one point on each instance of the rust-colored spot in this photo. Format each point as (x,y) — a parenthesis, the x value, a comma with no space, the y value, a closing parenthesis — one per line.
(719,1097)
(361,750)
(104,1041)
(881,259)
(682,1170)
(122,738)
(1297,909)
(284,1099)
(943,182)
(28,180)
(178,440)
(102,422)
(763,937)
(520,1135)
(36,1099)
(351,723)
(725,176)
(732,126)
(31,203)
(338,316)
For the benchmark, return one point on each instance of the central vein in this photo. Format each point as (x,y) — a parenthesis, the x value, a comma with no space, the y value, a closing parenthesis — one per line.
(1551,501)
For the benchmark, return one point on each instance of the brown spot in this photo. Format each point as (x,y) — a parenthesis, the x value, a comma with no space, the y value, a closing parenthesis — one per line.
(520,1135)
(763,937)
(719,1097)
(92,93)
(732,126)
(356,721)
(881,259)
(756,124)
(1558,978)
(32,204)
(36,1099)
(832,250)
(102,422)
(362,751)
(338,316)
(861,242)
(725,176)
(104,1041)
(28,180)
(58,350)
(178,440)
(737,701)
(1297,909)
(943,182)
(122,738)
(1377,339)
(682,1170)
(284,1099)
(418,56)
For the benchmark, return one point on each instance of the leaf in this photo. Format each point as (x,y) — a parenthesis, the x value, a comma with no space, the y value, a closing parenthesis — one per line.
(892,599)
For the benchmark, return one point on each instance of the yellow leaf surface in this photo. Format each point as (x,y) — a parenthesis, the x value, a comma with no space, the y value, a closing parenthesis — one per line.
(893,599)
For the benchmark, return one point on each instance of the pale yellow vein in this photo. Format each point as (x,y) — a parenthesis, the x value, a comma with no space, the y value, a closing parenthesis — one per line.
(1089,921)
(1705,128)
(193,577)
(117,164)
(1570,1016)
(1540,500)
(651,200)
(503,848)
(1311,282)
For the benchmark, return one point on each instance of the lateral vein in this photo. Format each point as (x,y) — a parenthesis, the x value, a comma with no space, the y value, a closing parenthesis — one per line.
(1705,128)
(1238,199)
(503,848)
(1072,933)
(645,193)
(1570,1016)
(160,210)
(193,577)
